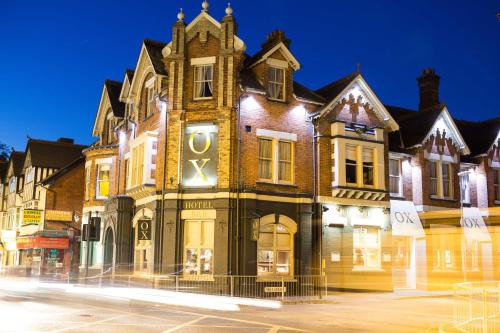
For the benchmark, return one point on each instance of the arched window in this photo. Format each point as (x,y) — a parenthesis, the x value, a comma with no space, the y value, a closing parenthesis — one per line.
(275,253)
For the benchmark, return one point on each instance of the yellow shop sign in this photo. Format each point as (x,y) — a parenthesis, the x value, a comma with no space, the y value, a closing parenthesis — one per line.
(59,215)
(32,216)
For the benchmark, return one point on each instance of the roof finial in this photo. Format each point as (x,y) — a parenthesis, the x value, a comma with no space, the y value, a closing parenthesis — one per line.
(204,6)
(180,16)
(358,68)
(229,9)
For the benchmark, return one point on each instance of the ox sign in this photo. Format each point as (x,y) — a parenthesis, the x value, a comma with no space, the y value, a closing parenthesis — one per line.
(200,155)
(144,230)
(405,220)
(473,224)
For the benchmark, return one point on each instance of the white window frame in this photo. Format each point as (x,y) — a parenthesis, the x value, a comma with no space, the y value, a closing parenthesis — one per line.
(373,152)
(356,165)
(203,244)
(87,183)
(440,182)
(365,266)
(12,184)
(276,138)
(399,177)
(147,140)
(98,181)
(202,81)
(150,97)
(30,175)
(464,178)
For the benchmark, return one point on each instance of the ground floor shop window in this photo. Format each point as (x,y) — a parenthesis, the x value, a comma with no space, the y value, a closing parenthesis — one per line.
(446,250)
(198,247)
(471,255)
(366,247)
(275,249)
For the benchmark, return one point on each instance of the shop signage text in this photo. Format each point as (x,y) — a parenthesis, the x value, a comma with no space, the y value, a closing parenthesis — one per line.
(198,204)
(32,216)
(200,155)
(59,215)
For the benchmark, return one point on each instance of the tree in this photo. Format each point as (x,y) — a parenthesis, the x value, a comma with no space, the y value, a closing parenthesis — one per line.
(4,151)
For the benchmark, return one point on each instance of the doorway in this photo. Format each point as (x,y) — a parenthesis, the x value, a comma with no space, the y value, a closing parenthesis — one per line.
(108,250)
(403,264)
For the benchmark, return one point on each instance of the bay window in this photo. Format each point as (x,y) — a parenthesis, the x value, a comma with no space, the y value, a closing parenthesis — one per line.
(198,247)
(276,83)
(368,166)
(140,163)
(366,247)
(87,183)
(351,158)
(102,183)
(395,177)
(203,81)
(276,161)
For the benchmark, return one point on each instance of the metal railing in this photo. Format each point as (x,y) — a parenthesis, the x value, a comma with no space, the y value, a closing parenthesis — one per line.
(296,288)
(477,306)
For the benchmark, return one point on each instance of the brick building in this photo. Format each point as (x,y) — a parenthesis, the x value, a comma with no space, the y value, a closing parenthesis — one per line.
(209,161)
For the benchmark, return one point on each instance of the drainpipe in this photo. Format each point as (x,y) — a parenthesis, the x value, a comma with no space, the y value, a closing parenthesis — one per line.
(317,211)
(163,187)
(238,181)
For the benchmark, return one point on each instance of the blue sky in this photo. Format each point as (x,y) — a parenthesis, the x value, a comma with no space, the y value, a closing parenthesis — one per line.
(56,54)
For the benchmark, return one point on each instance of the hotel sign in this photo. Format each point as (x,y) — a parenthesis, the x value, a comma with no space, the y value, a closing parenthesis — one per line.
(200,155)
(32,216)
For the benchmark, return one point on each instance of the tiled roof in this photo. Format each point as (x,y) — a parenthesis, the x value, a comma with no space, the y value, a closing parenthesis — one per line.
(332,90)
(3,170)
(62,171)
(52,154)
(479,135)
(114,88)
(17,159)
(130,74)
(154,49)
(302,91)
(249,80)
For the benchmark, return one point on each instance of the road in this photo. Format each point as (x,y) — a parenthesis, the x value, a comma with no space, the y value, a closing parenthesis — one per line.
(54,310)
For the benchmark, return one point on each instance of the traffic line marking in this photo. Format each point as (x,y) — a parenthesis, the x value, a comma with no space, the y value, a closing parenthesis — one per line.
(173,329)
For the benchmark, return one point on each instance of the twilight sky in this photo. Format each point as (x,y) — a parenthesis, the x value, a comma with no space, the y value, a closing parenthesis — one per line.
(56,54)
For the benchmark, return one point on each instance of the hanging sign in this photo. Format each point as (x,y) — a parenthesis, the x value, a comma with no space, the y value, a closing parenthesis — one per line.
(200,155)
(32,216)
(59,215)
(405,220)
(144,229)
(473,224)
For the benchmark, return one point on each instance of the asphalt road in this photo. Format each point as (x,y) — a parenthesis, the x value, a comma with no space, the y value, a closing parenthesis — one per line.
(46,310)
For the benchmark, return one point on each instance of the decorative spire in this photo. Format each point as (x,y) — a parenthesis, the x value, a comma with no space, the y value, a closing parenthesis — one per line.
(180,16)
(358,68)
(229,9)
(205,6)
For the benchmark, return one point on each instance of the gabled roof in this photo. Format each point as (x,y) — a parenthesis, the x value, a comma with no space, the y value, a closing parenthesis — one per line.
(52,154)
(154,48)
(114,88)
(335,91)
(249,80)
(129,74)
(480,136)
(16,160)
(3,171)
(263,54)
(62,171)
(302,92)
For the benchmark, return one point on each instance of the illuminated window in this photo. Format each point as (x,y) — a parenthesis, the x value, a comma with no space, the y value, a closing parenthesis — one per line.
(203,81)
(276,83)
(464,188)
(433,190)
(102,188)
(87,183)
(366,247)
(198,247)
(368,166)
(285,161)
(447,179)
(351,165)
(265,159)
(395,177)
(471,249)
(137,172)
(496,184)
(445,248)
(110,130)
(333,162)
(274,250)
(150,100)
(30,175)
(276,160)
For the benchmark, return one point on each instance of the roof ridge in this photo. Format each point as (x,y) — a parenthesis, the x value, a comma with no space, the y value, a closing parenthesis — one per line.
(347,77)
(152,41)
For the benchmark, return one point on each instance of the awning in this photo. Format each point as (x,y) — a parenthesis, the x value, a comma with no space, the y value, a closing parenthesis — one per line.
(42,243)
(473,224)
(405,220)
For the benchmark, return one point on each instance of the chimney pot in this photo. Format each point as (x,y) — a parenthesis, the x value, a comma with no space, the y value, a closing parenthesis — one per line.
(428,84)
(66,140)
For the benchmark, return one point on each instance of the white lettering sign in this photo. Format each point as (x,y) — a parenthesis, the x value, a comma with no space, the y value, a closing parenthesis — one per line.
(473,224)
(405,220)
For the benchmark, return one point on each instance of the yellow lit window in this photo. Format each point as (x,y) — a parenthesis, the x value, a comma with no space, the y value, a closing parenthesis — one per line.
(102,181)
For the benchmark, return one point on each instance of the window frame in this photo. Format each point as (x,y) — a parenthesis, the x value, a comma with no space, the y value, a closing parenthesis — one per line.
(275,249)
(496,185)
(398,176)
(99,181)
(203,81)
(202,245)
(364,248)
(271,82)
(441,181)
(350,164)
(275,161)
(87,183)
(366,166)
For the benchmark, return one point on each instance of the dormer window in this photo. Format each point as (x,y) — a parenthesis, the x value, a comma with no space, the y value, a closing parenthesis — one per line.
(203,81)
(276,83)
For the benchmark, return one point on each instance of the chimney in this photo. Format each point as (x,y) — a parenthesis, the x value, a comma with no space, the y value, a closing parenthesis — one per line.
(274,37)
(428,84)
(66,140)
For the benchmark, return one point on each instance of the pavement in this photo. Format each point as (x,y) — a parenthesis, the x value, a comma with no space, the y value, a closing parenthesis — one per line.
(30,308)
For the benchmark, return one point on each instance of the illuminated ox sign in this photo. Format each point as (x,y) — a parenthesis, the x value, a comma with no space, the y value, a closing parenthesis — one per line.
(403,217)
(200,156)
(144,229)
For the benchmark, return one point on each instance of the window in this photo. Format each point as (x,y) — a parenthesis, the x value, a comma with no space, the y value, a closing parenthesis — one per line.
(102,190)
(87,183)
(496,184)
(464,188)
(274,250)
(111,128)
(366,247)
(137,172)
(351,165)
(203,81)
(30,175)
(447,172)
(285,161)
(395,177)
(333,162)
(12,185)
(433,178)
(276,160)
(198,247)
(446,249)
(471,249)
(142,252)
(368,166)
(276,83)
(150,100)
(152,169)
(265,159)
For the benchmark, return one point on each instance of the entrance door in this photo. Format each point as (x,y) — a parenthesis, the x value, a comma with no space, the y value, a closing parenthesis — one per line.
(402,267)
(108,250)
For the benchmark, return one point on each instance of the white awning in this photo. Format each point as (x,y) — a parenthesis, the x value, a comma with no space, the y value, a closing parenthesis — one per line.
(405,220)
(473,224)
